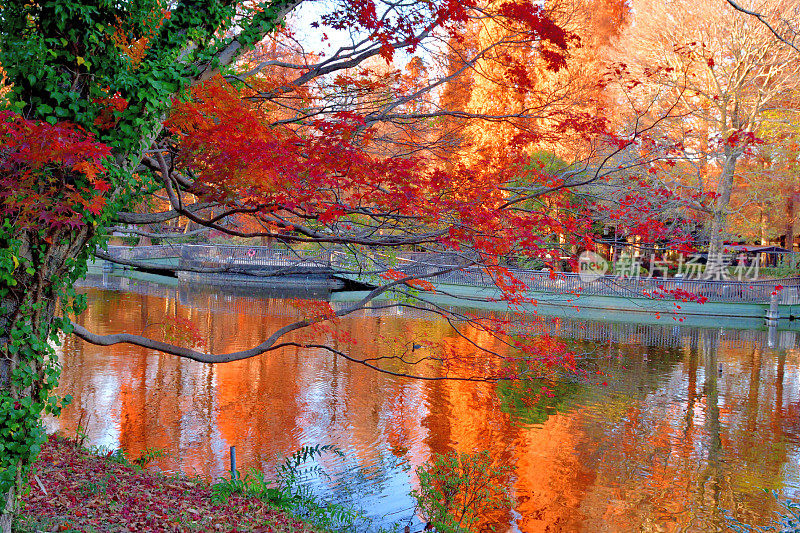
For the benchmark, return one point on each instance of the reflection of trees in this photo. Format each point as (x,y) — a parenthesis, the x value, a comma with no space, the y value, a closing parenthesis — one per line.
(466,417)
(266,406)
(757,447)
(569,468)
(669,441)
(712,474)
(673,465)
(526,404)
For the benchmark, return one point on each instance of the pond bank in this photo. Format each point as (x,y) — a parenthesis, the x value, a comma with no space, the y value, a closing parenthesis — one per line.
(75,489)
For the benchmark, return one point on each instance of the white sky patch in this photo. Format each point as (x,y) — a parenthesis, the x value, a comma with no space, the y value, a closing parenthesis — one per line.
(323,40)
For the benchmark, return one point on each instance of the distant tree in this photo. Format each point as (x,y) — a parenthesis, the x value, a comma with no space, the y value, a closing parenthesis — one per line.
(727,73)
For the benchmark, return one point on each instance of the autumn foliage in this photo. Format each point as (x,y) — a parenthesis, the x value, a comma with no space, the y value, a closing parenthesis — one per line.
(492,133)
(50,174)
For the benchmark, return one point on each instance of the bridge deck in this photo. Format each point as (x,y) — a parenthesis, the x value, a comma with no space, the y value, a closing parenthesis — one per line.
(733,297)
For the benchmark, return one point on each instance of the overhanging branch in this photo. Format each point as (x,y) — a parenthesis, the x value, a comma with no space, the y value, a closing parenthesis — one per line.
(181,351)
(270,344)
(761,18)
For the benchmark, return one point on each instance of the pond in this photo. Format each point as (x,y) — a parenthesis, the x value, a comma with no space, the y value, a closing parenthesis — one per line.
(691,424)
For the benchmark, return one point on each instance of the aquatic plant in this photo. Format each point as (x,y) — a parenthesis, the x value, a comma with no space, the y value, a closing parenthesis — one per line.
(292,492)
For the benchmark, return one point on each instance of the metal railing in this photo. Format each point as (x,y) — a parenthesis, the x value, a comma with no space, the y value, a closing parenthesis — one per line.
(441,268)
(251,257)
(139,253)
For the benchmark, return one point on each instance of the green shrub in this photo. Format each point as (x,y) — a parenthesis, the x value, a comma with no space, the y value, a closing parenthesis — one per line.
(462,493)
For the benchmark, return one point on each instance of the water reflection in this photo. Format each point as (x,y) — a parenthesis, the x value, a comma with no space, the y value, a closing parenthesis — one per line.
(681,431)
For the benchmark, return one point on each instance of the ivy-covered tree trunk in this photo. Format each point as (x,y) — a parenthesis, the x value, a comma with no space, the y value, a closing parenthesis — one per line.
(85,89)
(34,277)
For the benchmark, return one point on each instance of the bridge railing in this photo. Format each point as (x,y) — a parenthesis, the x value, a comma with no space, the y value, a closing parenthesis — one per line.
(441,268)
(252,257)
(723,290)
(139,253)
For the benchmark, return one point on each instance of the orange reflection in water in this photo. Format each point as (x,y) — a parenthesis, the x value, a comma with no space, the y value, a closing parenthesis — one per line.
(667,445)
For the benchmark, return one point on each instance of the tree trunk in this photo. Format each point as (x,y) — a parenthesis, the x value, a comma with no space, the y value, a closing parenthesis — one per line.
(791,219)
(27,314)
(719,215)
(11,502)
(791,206)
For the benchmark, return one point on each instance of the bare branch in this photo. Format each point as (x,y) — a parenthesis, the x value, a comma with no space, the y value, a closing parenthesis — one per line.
(154,235)
(269,344)
(188,353)
(163,216)
(369,364)
(764,21)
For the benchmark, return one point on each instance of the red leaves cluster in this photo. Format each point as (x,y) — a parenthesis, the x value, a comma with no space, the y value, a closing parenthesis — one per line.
(644,210)
(680,295)
(180,330)
(314,309)
(49,174)
(396,275)
(531,17)
(112,108)
(322,172)
(404,26)
(742,138)
(328,176)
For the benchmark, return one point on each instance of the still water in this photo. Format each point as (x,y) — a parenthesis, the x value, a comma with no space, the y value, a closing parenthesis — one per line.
(692,424)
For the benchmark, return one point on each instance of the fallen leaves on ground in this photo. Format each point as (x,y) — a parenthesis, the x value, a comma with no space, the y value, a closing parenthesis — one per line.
(73,489)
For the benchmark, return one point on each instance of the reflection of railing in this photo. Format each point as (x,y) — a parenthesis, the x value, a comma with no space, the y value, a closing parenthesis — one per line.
(123,284)
(281,304)
(648,334)
(442,268)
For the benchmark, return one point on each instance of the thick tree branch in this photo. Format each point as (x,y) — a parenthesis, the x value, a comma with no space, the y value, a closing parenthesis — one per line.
(235,48)
(267,346)
(188,353)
